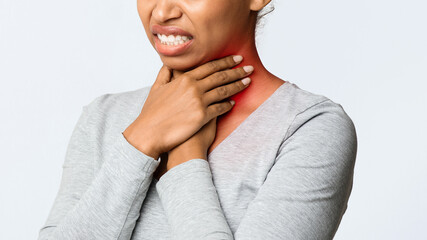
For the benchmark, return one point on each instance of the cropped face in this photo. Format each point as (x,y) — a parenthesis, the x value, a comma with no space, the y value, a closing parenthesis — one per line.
(188,33)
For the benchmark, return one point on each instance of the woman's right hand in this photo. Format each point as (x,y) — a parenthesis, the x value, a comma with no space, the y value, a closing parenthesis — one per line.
(175,110)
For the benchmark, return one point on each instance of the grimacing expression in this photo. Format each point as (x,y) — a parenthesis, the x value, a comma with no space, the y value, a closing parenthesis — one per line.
(218,27)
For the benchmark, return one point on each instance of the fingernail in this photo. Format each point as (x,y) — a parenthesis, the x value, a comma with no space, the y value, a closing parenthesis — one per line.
(237,58)
(246,81)
(248,68)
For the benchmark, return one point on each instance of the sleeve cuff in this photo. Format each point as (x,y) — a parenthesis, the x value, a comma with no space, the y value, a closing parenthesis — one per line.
(184,172)
(191,203)
(131,153)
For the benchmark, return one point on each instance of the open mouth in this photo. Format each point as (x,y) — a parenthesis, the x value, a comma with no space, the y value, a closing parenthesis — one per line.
(173,40)
(171,35)
(172,45)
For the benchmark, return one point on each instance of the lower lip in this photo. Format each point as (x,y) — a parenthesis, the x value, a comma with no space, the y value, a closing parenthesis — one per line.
(171,50)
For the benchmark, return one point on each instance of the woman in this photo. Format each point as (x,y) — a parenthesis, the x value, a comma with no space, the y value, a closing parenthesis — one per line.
(157,163)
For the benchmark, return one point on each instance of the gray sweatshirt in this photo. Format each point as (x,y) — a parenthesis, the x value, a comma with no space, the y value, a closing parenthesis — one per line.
(286,172)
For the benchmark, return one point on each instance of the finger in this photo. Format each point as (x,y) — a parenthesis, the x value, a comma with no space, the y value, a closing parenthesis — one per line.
(217,109)
(212,122)
(163,77)
(215,66)
(224,77)
(223,92)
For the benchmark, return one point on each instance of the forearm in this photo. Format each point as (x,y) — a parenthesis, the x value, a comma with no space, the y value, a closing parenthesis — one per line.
(110,206)
(191,202)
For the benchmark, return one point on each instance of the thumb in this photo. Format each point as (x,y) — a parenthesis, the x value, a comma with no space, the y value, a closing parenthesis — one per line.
(163,77)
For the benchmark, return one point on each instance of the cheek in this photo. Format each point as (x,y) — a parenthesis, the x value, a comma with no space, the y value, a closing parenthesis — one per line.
(144,11)
(221,24)
(216,33)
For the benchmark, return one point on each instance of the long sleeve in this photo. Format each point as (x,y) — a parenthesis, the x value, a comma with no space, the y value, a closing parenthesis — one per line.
(304,195)
(191,203)
(99,203)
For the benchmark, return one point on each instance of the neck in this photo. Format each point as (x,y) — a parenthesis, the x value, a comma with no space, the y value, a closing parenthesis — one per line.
(261,79)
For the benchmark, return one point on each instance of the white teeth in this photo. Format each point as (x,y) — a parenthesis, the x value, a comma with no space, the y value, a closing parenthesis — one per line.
(173,40)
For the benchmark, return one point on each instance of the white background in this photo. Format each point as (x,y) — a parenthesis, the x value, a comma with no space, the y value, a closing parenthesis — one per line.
(368,55)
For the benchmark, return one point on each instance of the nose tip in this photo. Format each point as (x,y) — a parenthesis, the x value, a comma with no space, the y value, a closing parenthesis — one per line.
(166,10)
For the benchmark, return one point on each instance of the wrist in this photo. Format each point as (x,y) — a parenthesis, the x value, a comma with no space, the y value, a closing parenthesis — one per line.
(177,157)
(141,143)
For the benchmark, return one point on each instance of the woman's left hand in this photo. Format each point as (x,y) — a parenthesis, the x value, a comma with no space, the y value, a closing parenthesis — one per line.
(194,147)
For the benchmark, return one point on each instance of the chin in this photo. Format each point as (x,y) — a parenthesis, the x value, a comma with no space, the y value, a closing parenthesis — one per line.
(189,61)
(180,64)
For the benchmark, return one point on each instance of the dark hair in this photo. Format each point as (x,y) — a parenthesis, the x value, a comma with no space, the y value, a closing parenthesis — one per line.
(261,14)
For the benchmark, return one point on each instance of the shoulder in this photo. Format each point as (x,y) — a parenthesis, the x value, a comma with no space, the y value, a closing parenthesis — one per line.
(123,100)
(307,106)
(114,111)
(319,121)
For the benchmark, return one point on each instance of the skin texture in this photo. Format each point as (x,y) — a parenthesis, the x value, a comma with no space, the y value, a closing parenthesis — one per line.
(219,28)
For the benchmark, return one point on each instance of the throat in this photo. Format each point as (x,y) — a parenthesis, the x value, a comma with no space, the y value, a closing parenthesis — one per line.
(227,123)
(223,130)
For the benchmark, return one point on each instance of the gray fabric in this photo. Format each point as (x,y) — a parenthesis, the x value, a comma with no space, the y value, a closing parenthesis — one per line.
(285,173)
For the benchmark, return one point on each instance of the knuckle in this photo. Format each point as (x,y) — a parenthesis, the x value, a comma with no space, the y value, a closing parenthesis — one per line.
(187,76)
(193,91)
(200,114)
(186,79)
(220,108)
(214,65)
(221,76)
(196,100)
(222,91)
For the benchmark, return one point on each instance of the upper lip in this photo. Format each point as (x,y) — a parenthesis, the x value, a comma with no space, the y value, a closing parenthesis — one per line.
(169,30)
